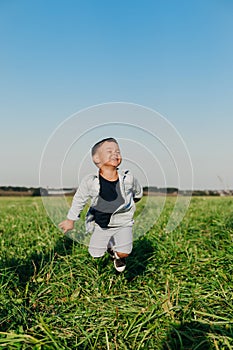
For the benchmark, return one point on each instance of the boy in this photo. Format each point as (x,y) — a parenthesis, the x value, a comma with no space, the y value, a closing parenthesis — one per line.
(110,216)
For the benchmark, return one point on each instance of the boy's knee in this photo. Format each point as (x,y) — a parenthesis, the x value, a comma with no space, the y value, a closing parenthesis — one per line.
(122,255)
(95,254)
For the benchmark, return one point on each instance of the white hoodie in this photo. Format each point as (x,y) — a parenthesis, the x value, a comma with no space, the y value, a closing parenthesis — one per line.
(89,189)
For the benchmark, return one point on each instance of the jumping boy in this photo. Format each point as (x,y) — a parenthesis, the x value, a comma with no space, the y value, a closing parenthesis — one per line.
(112,194)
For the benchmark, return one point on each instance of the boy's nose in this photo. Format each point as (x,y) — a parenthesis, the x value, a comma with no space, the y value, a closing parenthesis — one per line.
(116,155)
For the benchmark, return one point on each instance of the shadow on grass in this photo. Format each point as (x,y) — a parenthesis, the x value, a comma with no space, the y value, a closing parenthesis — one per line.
(25,269)
(195,336)
(138,259)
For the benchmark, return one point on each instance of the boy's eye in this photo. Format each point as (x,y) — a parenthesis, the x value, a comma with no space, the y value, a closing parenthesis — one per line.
(112,151)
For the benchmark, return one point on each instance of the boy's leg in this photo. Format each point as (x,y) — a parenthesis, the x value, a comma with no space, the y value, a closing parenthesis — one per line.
(119,239)
(123,246)
(123,241)
(99,241)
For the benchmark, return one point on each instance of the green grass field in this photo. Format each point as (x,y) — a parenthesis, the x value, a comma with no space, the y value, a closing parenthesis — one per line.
(177,291)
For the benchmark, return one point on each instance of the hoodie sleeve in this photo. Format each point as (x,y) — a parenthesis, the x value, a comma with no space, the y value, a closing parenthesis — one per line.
(80,198)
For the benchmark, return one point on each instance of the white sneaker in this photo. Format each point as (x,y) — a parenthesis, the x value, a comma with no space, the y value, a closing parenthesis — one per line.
(119,264)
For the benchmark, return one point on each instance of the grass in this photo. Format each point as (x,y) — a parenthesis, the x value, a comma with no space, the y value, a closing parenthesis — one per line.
(177,291)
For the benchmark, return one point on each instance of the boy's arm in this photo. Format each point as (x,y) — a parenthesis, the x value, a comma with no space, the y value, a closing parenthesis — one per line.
(79,200)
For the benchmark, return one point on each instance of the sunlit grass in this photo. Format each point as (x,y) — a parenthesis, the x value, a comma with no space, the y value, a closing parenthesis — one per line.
(176,293)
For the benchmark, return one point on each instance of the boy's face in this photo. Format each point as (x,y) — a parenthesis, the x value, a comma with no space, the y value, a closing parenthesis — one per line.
(108,154)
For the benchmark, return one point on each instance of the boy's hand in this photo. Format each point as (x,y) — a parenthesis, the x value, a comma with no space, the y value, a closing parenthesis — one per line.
(66,225)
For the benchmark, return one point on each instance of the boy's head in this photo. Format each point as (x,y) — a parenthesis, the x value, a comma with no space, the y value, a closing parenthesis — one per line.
(106,153)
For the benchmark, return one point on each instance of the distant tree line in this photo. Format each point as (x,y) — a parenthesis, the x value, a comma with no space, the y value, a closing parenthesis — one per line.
(15,188)
(20,190)
(153,189)
(39,191)
(173,190)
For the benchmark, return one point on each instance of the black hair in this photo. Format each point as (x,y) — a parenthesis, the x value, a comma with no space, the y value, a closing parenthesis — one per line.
(99,143)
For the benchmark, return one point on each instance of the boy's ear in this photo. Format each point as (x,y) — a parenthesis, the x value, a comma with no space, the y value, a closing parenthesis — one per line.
(95,158)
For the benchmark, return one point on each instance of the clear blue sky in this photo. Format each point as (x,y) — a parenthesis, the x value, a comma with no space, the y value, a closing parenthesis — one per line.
(60,56)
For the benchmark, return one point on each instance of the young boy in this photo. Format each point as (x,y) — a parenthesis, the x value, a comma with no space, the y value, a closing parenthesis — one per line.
(112,194)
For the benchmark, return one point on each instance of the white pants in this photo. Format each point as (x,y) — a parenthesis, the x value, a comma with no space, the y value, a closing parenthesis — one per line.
(120,239)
